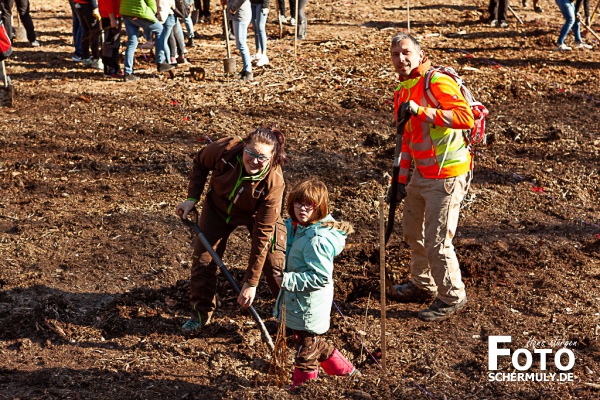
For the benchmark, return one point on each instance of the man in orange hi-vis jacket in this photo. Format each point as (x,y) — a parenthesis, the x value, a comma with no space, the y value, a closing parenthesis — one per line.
(433,141)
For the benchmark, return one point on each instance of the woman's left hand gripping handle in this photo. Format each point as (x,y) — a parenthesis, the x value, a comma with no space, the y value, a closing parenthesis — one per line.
(184,208)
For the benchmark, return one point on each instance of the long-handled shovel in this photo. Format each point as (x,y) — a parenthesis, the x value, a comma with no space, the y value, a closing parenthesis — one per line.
(394,185)
(594,13)
(263,330)
(6,94)
(229,62)
(516,15)
(589,28)
(389,282)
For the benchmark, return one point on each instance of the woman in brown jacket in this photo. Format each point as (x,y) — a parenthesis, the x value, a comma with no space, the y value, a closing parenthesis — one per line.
(246,188)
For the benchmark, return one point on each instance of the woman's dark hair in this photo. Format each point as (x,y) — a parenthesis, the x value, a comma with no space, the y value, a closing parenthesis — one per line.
(272,136)
(309,191)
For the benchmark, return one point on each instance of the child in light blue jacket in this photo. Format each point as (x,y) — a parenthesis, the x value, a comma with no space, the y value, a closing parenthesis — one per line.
(314,238)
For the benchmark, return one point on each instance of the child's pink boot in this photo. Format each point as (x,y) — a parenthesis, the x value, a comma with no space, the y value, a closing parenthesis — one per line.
(337,365)
(300,377)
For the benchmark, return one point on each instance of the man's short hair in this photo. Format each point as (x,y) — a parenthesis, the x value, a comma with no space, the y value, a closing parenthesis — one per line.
(400,36)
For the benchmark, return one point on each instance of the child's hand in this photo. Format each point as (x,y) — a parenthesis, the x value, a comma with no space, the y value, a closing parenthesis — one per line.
(246,296)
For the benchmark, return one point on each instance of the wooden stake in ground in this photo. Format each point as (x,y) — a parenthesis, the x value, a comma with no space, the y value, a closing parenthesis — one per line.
(408,15)
(279,19)
(296,31)
(382,277)
(516,15)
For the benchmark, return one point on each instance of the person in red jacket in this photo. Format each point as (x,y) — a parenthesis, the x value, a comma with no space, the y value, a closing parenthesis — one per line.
(111,26)
(246,189)
(434,143)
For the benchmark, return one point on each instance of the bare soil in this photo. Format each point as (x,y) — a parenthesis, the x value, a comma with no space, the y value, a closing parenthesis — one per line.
(94,264)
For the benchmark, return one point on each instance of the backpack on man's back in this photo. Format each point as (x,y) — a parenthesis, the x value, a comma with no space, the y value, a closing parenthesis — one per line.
(477,133)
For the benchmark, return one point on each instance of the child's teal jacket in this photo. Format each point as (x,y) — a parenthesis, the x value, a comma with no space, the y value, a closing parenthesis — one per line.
(307,287)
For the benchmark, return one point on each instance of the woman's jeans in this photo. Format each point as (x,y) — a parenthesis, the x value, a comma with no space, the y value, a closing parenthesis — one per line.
(568,11)
(240,30)
(189,26)
(163,40)
(132,27)
(259,23)
(77,31)
(176,41)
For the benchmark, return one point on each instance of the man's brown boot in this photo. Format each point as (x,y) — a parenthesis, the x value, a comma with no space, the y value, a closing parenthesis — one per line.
(439,311)
(409,293)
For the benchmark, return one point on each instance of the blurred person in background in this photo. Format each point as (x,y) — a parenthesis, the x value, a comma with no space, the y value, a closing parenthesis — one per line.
(23,11)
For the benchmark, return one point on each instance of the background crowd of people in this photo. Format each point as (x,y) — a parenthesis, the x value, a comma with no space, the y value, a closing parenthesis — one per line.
(498,17)
(97,28)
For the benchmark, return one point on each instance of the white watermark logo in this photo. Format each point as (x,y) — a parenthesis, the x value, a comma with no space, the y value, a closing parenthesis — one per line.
(563,360)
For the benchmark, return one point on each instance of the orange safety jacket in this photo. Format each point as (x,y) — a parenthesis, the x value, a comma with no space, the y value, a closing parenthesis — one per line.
(433,138)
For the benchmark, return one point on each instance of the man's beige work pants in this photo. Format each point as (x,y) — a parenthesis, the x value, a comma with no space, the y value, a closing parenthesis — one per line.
(430,218)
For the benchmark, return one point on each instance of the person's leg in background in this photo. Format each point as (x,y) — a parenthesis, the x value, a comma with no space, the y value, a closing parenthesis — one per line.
(180,49)
(568,11)
(493,10)
(206,11)
(132,27)
(255,13)
(172,48)
(163,54)
(293,12)
(282,18)
(240,29)
(77,35)
(260,35)
(189,27)
(90,42)
(302,20)
(132,30)
(6,10)
(23,9)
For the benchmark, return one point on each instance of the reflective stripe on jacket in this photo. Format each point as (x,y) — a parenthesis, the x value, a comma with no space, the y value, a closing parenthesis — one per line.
(433,138)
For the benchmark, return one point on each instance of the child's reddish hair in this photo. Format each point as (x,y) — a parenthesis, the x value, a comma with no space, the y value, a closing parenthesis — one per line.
(309,191)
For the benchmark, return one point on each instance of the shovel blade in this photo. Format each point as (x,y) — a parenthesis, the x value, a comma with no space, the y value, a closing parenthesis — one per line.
(6,92)
(21,33)
(229,65)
